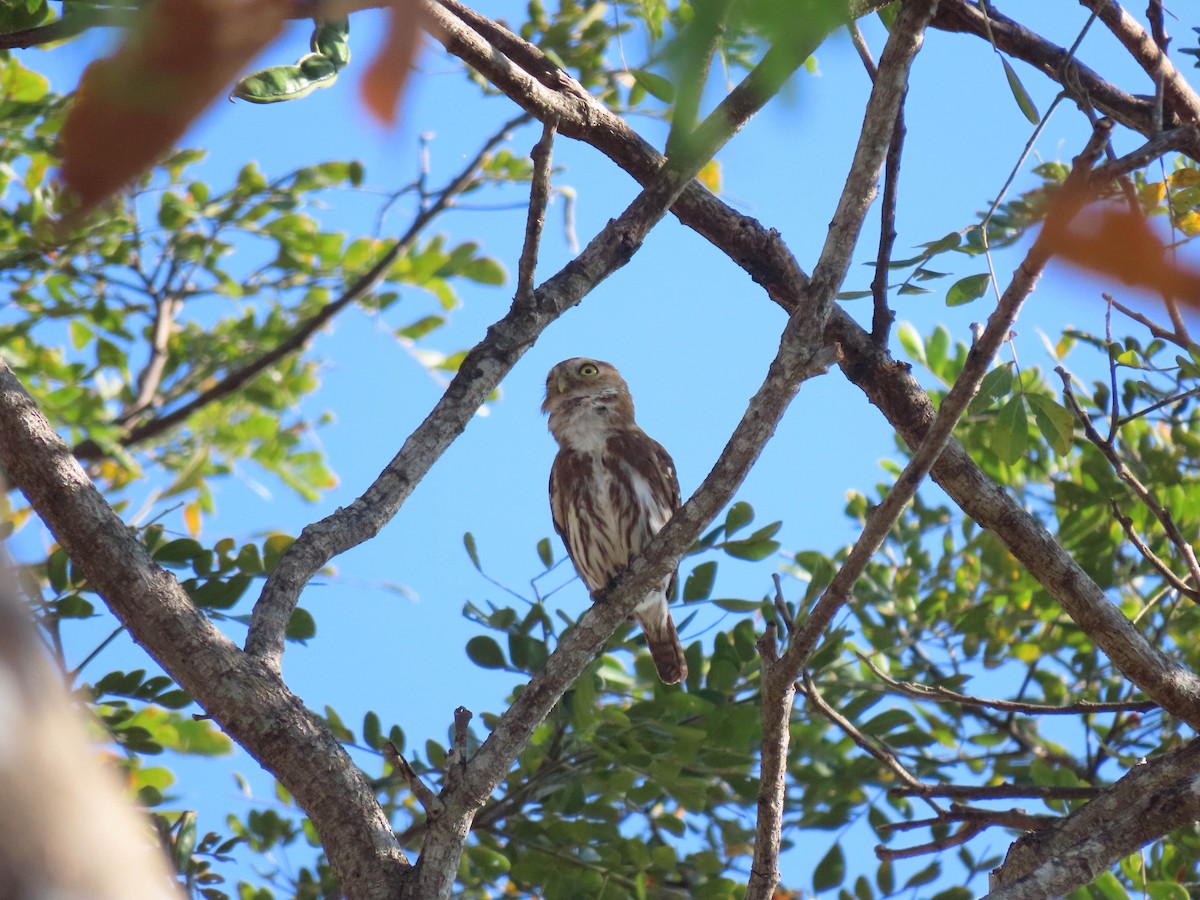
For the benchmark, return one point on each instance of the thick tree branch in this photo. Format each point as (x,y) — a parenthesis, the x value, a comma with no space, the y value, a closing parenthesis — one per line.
(1178,96)
(1151,800)
(251,703)
(1082,84)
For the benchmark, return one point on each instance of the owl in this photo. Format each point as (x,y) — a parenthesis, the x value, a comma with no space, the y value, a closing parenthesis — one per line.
(612,487)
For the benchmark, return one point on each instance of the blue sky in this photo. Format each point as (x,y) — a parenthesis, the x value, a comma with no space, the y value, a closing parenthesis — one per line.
(689,330)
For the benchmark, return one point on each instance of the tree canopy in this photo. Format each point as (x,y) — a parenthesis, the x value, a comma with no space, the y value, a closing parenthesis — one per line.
(990,690)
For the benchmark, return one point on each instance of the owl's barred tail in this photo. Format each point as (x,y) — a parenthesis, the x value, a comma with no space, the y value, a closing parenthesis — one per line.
(665,649)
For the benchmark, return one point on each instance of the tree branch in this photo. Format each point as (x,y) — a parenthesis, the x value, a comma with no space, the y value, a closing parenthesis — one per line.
(1151,800)
(1082,84)
(779,675)
(539,196)
(1178,96)
(251,703)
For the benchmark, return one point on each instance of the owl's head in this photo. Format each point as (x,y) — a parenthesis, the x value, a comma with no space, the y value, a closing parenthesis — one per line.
(574,382)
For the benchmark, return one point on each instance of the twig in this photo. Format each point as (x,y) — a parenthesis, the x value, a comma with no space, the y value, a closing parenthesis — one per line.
(868,745)
(778,697)
(864,52)
(1163,569)
(1155,330)
(1122,471)
(296,341)
(945,695)
(995,791)
(539,196)
(430,802)
(150,378)
(881,320)
(958,838)
(1153,407)
(781,608)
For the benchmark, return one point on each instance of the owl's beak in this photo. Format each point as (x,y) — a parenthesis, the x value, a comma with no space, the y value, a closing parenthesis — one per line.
(560,383)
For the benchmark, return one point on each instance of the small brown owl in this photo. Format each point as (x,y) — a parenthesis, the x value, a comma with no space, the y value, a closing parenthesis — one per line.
(612,487)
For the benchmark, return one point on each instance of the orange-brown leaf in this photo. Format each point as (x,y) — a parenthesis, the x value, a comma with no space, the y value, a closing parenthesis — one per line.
(383,84)
(1122,245)
(133,106)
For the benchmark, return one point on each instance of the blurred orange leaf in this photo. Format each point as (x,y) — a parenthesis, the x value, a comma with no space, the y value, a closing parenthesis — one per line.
(384,82)
(1121,244)
(133,106)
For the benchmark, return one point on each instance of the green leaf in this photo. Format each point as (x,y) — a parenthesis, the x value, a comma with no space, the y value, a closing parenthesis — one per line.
(699,583)
(485,653)
(185,840)
(830,871)
(926,875)
(485,270)
(301,626)
(176,699)
(1022,96)
(967,289)
(740,515)
(469,544)
(73,606)
(372,732)
(750,549)
(1011,432)
(273,548)
(910,339)
(545,553)
(1054,421)
(737,606)
(654,85)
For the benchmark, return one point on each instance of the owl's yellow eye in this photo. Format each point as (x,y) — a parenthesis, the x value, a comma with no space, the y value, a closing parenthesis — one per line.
(588,370)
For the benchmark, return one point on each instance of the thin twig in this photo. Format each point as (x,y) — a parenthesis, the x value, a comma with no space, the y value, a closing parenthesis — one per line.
(430,802)
(1150,556)
(995,791)
(868,745)
(1122,471)
(150,378)
(864,52)
(781,609)
(539,196)
(881,320)
(1156,330)
(296,341)
(945,695)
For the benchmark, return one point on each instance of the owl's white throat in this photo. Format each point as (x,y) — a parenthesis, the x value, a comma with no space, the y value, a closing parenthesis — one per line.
(585,425)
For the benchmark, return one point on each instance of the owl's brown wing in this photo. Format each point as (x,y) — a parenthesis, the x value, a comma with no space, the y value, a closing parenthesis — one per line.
(649,459)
